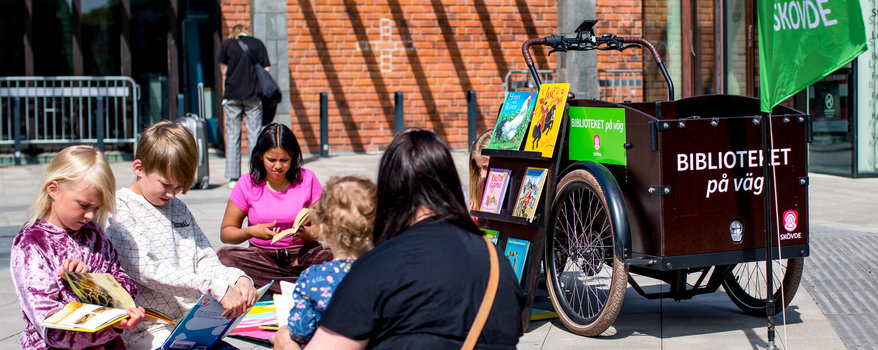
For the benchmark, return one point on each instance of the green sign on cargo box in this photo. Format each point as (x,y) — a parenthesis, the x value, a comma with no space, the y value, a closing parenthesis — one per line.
(597,134)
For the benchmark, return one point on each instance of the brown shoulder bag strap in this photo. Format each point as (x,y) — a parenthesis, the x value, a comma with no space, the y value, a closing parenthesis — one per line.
(487,301)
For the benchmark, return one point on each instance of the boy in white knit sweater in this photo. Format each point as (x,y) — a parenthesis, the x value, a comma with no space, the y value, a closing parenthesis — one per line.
(160,244)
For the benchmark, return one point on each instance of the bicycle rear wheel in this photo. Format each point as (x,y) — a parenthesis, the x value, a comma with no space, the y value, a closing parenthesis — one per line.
(745,284)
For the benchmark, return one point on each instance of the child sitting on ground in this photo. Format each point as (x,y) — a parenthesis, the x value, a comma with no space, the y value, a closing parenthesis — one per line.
(65,234)
(344,218)
(160,244)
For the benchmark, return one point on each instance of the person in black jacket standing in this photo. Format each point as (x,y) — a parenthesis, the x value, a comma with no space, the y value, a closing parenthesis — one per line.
(241,95)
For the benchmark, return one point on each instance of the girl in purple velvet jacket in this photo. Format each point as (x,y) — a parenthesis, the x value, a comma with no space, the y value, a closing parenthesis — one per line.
(65,233)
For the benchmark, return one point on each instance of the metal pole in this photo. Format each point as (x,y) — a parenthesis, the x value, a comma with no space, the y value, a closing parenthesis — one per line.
(768,185)
(100,121)
(471,109)
(16,129)
(324,125)
(398,115)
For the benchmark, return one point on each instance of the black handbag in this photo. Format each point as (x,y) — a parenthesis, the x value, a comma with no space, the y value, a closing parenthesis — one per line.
(269,92)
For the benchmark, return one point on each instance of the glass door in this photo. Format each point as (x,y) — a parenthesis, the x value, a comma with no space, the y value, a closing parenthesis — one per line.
(830,106)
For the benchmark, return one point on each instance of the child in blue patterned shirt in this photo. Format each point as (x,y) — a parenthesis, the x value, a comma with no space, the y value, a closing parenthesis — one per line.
(344,217)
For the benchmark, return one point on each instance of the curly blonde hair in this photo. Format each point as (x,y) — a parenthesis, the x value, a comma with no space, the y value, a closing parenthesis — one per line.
(345,213)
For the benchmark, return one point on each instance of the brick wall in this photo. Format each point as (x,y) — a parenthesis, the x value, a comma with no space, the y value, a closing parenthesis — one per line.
(361,52)
(622,18)
(655,18)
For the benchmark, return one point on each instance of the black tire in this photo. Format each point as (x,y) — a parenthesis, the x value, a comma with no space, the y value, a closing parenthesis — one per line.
(585,278)
(745,284)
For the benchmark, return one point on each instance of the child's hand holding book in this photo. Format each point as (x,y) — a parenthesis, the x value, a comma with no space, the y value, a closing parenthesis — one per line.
(135,315)
(73,265)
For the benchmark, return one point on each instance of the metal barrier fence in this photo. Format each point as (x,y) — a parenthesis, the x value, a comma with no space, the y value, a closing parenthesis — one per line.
(521,80)
(620,85)
(67,110)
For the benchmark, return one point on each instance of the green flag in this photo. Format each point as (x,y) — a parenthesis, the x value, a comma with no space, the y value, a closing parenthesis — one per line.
(802,41)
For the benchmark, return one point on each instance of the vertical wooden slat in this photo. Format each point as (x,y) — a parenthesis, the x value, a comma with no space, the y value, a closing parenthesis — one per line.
(173,70)
(125,37)
(28,37)
(687,13)
(77,37)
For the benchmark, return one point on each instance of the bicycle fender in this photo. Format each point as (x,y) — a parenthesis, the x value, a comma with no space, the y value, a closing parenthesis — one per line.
(615,203)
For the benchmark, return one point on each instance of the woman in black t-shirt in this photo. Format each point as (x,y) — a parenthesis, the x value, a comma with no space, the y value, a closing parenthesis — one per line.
(420,288)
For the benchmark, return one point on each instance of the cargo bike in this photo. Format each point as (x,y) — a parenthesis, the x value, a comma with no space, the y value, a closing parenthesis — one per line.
(684,203)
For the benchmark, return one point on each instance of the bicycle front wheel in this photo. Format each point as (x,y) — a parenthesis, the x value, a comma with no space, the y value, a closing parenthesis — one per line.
(586,280)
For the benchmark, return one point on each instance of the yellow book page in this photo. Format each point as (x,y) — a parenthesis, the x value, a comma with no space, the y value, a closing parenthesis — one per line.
(99,289)
(80,317)
(546,121)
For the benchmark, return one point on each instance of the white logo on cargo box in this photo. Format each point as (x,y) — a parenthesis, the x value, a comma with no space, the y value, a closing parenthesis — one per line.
(790,220)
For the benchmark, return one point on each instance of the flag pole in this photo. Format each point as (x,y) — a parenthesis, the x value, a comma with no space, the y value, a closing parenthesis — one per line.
(769,192)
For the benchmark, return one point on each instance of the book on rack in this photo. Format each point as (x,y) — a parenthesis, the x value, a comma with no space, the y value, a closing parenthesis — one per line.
(516,251)
(512,121)
(495,190)
(529,194)
(492,235)
(204,325)
(546,119)
(302,218)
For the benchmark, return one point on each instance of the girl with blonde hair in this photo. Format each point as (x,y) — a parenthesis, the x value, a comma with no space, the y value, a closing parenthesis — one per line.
(66,234)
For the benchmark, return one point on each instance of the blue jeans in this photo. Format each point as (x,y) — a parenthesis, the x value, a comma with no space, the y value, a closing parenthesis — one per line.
(236,110)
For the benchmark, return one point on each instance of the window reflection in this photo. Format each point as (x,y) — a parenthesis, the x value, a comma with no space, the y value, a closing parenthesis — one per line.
(100,37)
(53,38)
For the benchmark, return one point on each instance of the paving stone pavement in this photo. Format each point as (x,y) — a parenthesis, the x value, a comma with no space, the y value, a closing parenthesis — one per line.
(834,310)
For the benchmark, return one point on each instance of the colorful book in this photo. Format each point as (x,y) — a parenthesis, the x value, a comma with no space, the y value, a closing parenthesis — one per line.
(516,251)
(512,121)
(540,314)
(495,190)
(492,235)
(529,194)
(546,120)
(102,289)
(259,324)
(81,317)
(205,324)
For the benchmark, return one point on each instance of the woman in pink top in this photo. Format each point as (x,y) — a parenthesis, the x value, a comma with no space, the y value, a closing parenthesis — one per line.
(276,190)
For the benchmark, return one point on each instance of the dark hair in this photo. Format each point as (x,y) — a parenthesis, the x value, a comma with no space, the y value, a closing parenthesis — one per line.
(417,170)
(276,135)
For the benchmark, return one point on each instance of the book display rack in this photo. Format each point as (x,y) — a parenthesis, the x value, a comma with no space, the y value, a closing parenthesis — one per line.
(527,233)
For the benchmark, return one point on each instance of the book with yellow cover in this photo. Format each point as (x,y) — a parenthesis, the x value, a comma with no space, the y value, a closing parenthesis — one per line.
(102,289)
(80,317)
(546,119)
(302,218)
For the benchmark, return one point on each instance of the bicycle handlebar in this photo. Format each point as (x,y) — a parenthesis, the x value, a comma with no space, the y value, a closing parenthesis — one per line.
(593,42)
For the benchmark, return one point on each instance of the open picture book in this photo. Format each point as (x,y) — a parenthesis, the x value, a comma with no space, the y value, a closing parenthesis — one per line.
(302,218)
(102,302)
(205,325)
